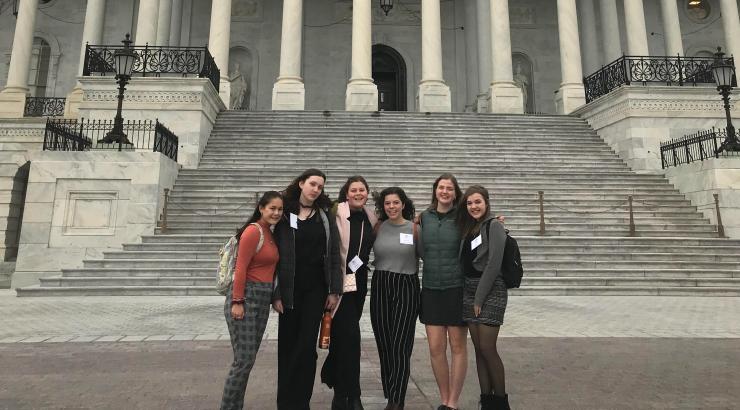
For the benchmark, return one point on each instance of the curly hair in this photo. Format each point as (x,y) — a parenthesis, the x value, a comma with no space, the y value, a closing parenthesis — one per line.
(292,193)
(408,205)
(466,223)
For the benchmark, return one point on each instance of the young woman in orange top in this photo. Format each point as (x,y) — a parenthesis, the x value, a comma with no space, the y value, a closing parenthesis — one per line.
(248,300)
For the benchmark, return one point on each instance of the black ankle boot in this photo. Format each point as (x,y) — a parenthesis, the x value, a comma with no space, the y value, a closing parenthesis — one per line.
(486,402)
(339,403)
(500,402)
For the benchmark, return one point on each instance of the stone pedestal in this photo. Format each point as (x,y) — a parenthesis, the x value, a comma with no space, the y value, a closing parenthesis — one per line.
(569,97)
(12,102)
(362,95)
(634,120)
(74,100)
(79,204)
(482,103)
(505,98)
(434,96)
(187,106)
(288,95)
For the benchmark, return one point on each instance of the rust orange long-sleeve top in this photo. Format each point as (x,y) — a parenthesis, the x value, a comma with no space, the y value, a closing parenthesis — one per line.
(251,266)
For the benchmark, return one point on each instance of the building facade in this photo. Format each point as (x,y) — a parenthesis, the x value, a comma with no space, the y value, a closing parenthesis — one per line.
(428,55)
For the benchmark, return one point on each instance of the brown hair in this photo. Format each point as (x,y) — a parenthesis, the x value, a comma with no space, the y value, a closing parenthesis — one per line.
(466,223)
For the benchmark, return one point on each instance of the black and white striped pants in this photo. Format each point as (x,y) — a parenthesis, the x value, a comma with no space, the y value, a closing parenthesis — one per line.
(394,307)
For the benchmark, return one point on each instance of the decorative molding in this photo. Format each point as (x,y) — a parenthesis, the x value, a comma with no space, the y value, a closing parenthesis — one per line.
(151,97)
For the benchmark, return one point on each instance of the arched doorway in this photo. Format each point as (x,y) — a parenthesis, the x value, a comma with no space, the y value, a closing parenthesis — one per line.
(389,74)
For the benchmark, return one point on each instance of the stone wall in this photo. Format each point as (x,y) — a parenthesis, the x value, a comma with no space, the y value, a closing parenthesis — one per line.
(79,204)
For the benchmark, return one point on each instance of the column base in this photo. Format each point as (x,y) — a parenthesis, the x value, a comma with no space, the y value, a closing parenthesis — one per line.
(569,97)
(434,96)
(13,102)
(505,98)
(288,95)
(74,100)
(362,95)
(481,103)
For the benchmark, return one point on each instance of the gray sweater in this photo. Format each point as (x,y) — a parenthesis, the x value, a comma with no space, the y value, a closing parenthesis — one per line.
(392,255)
(489,258)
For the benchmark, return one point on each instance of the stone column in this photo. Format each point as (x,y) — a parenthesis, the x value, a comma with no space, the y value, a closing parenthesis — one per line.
(634,21)
(176,23)
(13,96)
(571,94)
(434,94)
(671,28)
(92,33)
(610,36)
(504,95)
(289,93)
(471,55)
(163,22)
(362,93)
(485,67)
(591,57)
(146,22)
(731,24)
(219,40)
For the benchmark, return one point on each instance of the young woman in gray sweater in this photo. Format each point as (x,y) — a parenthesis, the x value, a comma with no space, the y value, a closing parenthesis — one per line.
(394,296)
(484,294)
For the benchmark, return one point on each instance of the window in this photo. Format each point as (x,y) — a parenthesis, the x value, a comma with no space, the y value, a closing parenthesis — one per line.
(698,11)
(39,72)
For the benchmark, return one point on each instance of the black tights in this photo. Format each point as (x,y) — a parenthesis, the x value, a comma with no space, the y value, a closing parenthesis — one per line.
(491,374)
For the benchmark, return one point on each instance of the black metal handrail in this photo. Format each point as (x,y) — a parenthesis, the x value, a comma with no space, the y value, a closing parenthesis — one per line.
(44,107)
(694,147)
(84,135)
(155,61)
(629,70)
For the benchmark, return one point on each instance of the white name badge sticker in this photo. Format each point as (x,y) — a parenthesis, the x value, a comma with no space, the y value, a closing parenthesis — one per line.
(407,239)
(355,264)
(294,221)
(476,242)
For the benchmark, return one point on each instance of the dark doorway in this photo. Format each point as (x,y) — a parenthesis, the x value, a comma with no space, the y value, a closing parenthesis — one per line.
(389,74)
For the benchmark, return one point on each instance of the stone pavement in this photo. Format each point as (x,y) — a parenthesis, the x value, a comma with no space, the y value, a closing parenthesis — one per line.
(560,352)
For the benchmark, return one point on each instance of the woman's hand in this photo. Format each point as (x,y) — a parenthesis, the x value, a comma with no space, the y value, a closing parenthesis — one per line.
(501,218)
(476,310)
(331,301)
(277,304)
(237,311)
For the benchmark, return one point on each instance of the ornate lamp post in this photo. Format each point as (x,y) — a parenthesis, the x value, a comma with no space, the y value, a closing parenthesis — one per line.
(386,5)
(724,73)
(124,59)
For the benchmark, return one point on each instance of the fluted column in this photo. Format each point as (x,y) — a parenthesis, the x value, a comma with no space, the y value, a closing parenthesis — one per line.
(362,93)
(731,24)
(146,22)
(634,19)
(219,39)
(289,93)
(434,94)
(471,55)
(671,28)
(176,23)
(591,55)
(163,22)
(485,60)
(92,33)
(505,96)
(571,94)
(13,96)
(612,40)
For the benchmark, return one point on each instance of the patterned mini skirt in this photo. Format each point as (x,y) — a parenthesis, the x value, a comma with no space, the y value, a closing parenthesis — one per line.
(494,306)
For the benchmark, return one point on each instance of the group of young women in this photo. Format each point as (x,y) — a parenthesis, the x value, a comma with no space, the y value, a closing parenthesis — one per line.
(306,255)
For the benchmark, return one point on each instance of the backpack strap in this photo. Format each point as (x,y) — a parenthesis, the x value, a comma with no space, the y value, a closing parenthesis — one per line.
(262,237)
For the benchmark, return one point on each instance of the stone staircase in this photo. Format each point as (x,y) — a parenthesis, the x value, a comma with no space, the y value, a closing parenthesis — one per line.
(586,249)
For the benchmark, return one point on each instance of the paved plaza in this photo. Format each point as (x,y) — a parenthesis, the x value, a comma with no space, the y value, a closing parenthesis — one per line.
(560,352)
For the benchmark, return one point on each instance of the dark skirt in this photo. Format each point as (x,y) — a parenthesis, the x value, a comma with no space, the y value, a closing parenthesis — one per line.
(494,306)
(442,307)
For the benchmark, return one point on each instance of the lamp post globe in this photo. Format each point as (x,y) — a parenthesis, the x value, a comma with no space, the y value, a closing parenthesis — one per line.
(124,60)
(723,70)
